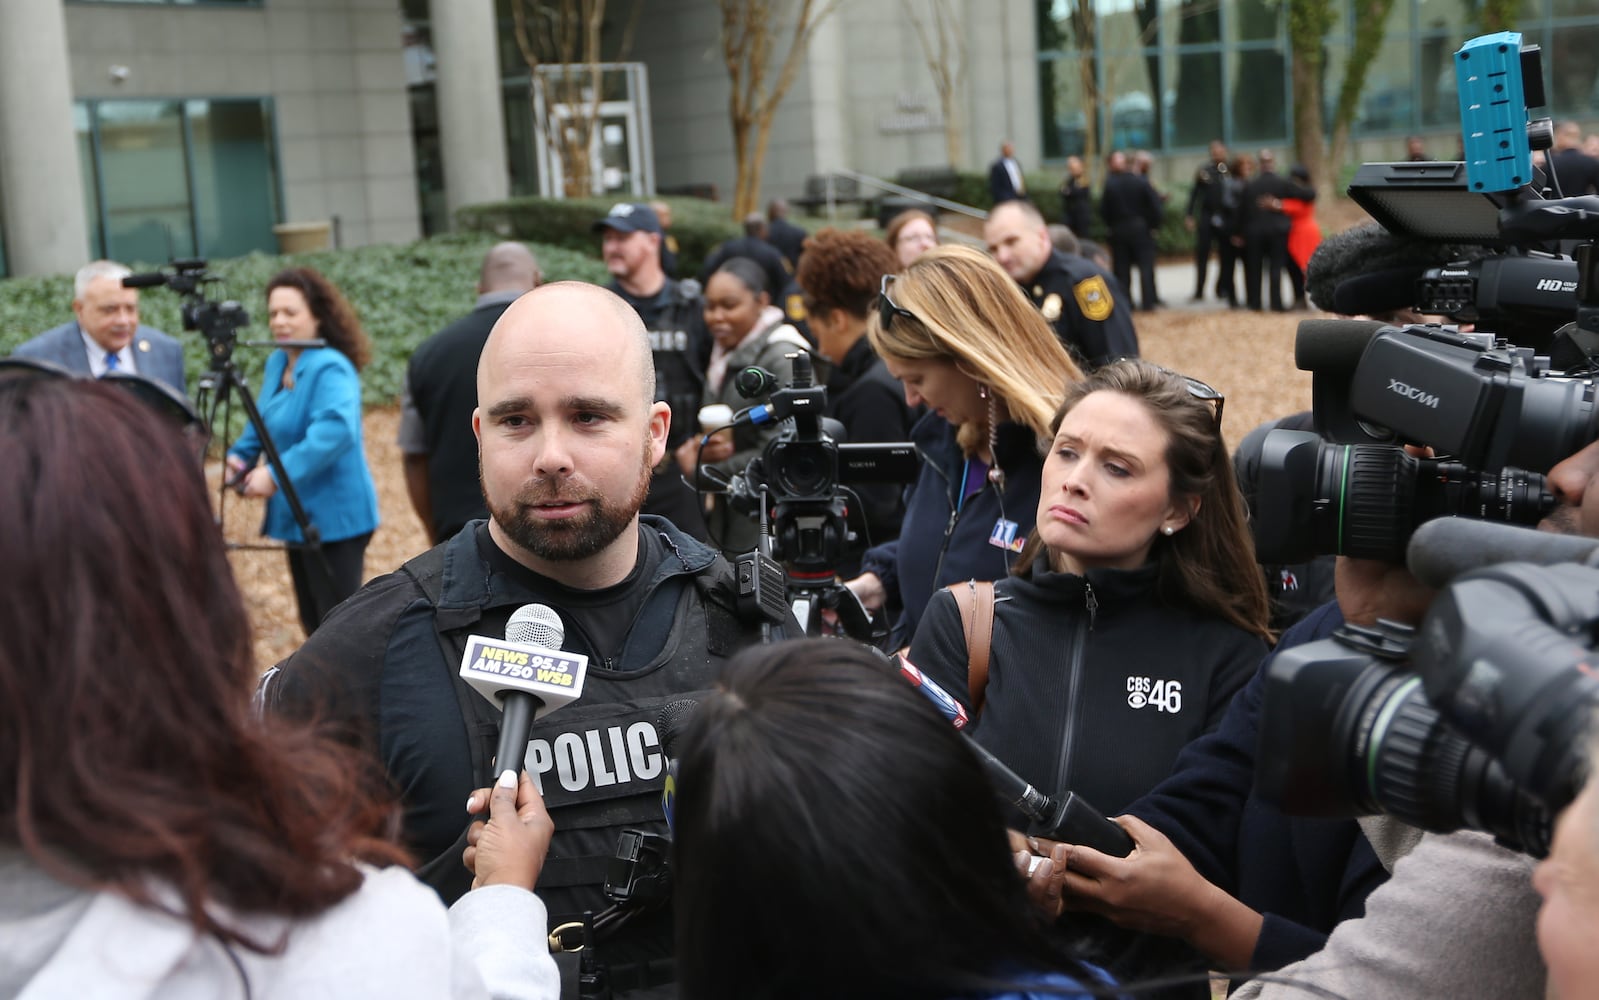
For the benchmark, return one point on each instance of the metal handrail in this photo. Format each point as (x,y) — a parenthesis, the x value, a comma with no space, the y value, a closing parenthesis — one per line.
(890,186)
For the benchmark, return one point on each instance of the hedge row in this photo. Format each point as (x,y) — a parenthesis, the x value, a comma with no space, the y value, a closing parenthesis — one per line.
(697,225)
(403,294)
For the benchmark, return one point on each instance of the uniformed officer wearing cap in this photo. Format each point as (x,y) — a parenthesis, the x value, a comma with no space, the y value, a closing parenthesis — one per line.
(1082,301)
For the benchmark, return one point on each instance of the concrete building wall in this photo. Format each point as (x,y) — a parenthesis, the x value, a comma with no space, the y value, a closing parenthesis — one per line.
(333,69)
(864,98)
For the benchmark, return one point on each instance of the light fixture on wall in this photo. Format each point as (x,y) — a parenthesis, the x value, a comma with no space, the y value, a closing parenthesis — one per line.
(118,73)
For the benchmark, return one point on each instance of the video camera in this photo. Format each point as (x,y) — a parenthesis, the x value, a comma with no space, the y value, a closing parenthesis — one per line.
(798,489)
(1497,406)
(1477,720)
(218,322)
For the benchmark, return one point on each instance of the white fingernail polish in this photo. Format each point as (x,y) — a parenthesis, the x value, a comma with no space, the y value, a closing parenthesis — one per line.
(507,778)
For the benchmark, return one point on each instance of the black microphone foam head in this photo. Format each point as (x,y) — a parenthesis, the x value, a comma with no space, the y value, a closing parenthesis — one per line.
(671,722)
(1370,249)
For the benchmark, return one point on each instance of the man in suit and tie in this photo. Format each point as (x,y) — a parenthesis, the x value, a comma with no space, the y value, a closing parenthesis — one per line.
(1005,181)
(107,335)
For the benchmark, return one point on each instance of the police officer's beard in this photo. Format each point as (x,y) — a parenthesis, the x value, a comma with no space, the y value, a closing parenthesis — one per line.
(571,538)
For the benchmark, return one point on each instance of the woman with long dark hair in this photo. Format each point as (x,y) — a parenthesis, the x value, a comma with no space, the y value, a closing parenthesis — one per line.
(157,837)
(1136,611)
(311,406)
(835,837)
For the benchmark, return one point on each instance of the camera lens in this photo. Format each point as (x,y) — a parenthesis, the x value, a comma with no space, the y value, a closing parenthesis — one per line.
(805,469)
(1347,734)
(1364,501)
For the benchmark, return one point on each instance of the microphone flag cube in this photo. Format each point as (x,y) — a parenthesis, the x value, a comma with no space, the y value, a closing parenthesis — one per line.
(493,667)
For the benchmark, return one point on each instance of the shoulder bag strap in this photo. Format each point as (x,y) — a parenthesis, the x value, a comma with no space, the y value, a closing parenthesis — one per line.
(975,599)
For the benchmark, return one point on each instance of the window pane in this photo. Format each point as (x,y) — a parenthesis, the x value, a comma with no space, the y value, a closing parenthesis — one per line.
(520,140)
(1195,80)
(1055,25)
(1128,95)
(1440,106)
(1191,22)
(1061,106)
(1124,25)
(86,169)
(1250,20)
(1259,86)
(145,179)
(1572,63)
(235,176)
(1387,103)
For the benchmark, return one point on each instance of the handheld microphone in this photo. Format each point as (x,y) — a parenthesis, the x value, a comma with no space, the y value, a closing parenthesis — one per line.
(1444,548)
(1069,819)
(526,675)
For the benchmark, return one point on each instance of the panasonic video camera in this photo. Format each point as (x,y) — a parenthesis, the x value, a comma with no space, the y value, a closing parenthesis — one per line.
(1499,405)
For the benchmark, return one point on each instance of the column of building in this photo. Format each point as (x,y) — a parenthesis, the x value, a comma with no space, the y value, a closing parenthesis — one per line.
(471,119)
(41,190)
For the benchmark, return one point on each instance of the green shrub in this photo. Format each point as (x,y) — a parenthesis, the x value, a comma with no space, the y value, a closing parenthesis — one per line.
(403,294)
(698,225)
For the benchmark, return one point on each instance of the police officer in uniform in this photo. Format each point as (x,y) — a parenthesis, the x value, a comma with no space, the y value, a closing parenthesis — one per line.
(1082,301)
(1206,215)
(674,314)
(567,435)
(1131,210)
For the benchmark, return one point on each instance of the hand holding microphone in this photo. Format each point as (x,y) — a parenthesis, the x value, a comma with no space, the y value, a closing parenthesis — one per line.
(526,675)
(509,848)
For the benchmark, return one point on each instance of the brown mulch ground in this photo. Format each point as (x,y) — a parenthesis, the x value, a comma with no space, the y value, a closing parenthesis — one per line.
(1248,356)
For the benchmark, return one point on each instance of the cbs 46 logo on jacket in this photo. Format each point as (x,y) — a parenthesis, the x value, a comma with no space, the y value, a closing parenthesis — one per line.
(1162,696)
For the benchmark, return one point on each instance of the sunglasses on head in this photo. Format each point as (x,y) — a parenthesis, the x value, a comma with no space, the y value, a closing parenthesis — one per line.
(887,308)
(1206,392)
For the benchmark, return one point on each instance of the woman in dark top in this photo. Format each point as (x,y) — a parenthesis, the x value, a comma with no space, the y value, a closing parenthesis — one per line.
(841,272)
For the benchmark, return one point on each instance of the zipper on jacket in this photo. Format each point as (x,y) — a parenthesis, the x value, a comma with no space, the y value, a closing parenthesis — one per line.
(1074,683)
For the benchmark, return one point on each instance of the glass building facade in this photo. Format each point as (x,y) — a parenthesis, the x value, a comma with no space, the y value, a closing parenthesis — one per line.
(1174,74)
(178,178)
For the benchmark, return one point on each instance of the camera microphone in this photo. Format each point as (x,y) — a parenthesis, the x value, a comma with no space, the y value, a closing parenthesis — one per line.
(1446,547)
(147,279)
(1333,345)
(526,675)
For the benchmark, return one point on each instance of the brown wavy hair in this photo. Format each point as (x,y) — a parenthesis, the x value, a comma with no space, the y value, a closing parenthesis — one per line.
(1210,564)
(134,761)
(843,268)
(337,322)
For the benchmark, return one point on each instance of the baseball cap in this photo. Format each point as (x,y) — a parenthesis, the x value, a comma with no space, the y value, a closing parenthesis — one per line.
(627,217)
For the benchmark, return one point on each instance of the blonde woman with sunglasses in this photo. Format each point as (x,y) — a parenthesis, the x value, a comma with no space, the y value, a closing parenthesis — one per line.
(965,343)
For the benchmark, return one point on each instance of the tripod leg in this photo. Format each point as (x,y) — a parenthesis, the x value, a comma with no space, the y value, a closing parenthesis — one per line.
(312,545)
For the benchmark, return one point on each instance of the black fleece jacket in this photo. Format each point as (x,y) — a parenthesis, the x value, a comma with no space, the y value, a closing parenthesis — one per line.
(1095,684)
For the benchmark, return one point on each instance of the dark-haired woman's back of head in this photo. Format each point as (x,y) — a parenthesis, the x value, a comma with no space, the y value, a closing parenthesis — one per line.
(125,677)
(835,837)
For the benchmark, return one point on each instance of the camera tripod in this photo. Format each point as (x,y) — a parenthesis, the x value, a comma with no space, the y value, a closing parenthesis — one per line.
(219,323)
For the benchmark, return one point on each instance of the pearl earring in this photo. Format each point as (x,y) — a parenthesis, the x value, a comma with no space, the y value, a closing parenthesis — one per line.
(982,391)
(1168,530)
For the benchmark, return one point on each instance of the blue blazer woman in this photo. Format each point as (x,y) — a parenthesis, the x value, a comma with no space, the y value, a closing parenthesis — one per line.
(316,426)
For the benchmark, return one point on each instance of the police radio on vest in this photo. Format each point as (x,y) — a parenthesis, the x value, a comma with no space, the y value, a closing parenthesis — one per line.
(493,667)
